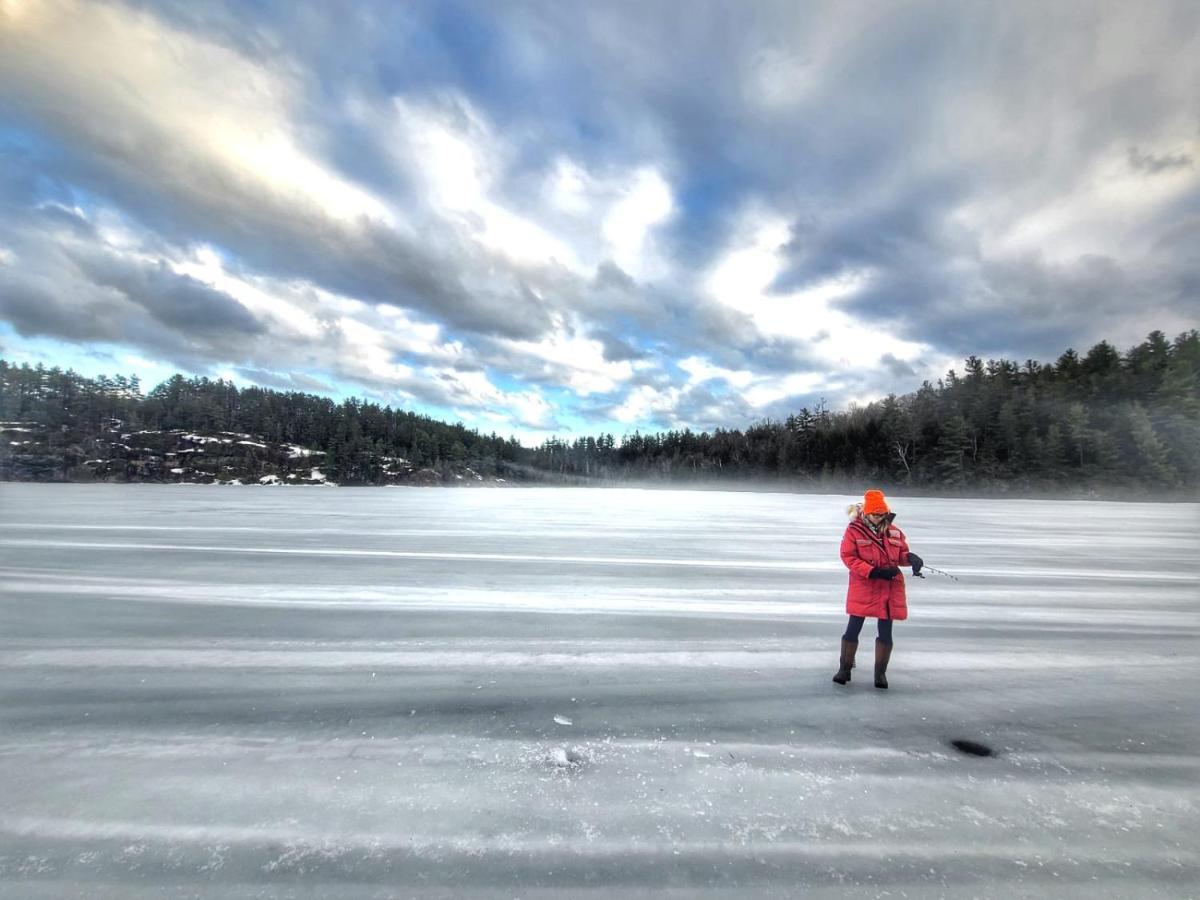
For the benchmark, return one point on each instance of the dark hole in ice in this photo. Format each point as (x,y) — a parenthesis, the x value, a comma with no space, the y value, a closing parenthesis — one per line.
(971,748)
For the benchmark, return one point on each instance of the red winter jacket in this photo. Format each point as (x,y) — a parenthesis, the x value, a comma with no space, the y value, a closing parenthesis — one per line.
(863,550)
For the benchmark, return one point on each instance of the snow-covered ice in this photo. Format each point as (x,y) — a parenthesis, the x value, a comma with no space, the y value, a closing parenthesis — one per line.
(366,693)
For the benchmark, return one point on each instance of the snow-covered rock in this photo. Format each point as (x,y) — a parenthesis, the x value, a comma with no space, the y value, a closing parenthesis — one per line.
(200,439)
(566,757)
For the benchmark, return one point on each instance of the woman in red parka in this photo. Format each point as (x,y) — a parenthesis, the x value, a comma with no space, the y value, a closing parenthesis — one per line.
(873,549)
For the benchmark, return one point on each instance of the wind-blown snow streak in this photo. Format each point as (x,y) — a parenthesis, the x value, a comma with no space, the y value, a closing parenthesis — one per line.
(1118,574)
(626,850)
(622,561)
(491,660)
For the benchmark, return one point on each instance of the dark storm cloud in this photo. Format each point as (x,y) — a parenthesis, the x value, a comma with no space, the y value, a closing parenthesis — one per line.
(177,301)
(1151,164)
(54,217)
(617,349)
(610,275)
(898,369)
(51,311)
(85,313)
(707,410)
(65,283)
(930,281)
(893,231)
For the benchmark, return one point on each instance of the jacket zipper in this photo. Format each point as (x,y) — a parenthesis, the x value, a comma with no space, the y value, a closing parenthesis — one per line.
(882,544)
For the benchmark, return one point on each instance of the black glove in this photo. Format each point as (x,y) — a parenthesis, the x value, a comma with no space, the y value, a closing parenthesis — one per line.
(884,573)
(916,562)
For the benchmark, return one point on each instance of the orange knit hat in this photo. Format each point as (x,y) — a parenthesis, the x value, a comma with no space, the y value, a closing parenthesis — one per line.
(873,502)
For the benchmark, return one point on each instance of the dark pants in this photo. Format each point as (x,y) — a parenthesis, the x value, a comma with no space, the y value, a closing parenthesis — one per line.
(856,624)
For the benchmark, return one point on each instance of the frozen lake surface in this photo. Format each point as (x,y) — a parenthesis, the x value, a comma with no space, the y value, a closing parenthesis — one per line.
(367,693)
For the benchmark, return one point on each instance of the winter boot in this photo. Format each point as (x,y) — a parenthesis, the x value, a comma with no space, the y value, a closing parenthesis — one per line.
(883,652)
(849,648)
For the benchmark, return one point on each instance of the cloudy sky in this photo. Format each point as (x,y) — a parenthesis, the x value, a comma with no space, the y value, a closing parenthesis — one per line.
(557,217)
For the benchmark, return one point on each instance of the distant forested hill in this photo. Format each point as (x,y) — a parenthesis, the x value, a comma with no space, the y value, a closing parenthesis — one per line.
(56,425)
(1107,422)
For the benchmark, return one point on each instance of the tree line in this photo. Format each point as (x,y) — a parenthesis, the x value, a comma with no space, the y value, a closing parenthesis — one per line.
(1103,421)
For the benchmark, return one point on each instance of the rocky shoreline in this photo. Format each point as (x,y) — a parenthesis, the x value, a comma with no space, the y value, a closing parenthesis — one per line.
(30,451)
